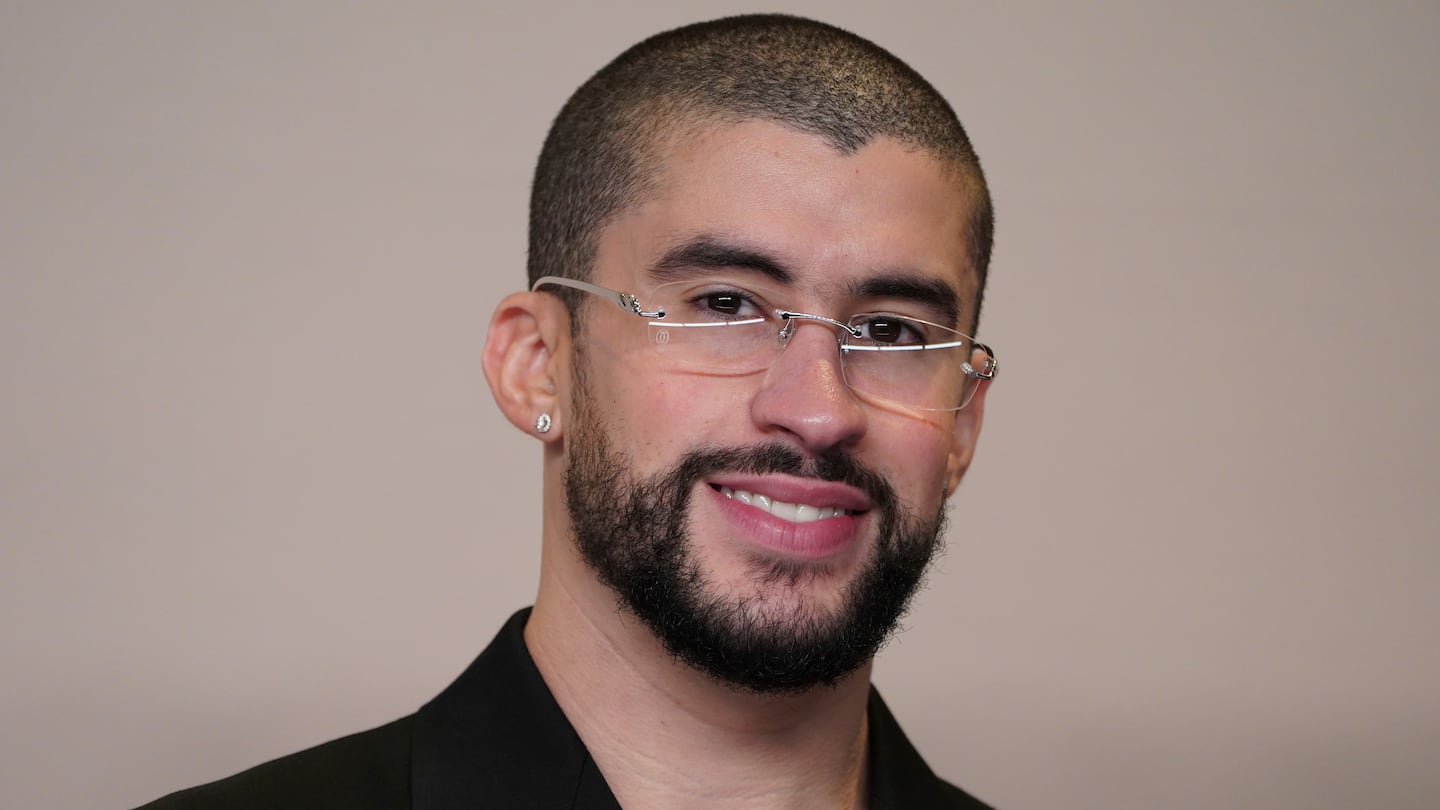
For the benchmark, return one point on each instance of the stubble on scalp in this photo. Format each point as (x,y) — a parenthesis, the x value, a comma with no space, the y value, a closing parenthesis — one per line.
(607,147)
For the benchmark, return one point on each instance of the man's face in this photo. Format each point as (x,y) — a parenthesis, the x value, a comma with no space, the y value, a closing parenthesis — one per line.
(696,496)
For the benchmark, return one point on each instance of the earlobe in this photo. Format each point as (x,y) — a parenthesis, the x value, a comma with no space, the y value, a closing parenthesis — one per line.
(528,337)
(965,433)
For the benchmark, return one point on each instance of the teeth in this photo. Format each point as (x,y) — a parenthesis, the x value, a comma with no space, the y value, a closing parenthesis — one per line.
(793,512)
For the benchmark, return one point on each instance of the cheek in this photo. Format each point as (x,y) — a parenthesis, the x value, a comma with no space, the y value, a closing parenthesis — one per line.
(609,383)
(686,411)
(914,456)
(655,416)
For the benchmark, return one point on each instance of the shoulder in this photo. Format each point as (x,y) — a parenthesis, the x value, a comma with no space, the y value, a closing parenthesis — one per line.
(931,792)
(899,777)
(365,771)
(953,798)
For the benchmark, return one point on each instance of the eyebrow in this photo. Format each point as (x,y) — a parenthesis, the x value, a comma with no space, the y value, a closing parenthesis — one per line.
(708,253)
(931,292)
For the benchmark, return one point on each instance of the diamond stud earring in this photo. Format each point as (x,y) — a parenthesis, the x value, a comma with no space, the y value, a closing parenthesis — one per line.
(542,423)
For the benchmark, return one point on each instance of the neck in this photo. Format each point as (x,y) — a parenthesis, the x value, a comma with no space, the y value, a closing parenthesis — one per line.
(665,735)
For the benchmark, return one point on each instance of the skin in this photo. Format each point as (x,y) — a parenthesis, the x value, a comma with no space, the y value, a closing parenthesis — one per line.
(663,734)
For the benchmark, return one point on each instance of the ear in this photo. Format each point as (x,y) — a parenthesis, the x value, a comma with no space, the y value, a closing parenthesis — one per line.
(964,435)
(525,348)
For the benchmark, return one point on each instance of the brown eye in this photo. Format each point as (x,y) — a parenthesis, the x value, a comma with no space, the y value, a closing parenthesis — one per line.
(882,330)
(724,303)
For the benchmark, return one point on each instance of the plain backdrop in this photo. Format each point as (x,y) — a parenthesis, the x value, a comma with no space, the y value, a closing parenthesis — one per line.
(254,493)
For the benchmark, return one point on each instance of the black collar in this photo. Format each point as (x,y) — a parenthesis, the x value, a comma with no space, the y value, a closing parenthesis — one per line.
(496,738)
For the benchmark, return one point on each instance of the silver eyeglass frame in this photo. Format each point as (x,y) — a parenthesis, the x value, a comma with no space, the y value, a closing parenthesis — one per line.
(624,301)
(628,302)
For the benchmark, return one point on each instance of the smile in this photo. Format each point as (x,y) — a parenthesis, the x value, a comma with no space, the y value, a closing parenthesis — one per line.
(790,512)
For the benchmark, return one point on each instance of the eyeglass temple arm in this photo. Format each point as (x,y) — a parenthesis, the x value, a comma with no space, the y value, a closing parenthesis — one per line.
(624,301)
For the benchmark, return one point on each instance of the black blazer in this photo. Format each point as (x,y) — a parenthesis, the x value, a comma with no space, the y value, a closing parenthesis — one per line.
(496,739)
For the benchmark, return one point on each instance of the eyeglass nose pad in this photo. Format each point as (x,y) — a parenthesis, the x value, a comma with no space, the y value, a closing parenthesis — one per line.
(783,337)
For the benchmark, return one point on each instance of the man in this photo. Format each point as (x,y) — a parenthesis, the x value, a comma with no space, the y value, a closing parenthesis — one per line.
(757,249)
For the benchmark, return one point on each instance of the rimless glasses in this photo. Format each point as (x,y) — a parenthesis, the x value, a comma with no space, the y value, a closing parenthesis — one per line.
(714,326)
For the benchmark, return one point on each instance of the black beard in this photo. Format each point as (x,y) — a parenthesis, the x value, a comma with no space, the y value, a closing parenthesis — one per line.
(635,535)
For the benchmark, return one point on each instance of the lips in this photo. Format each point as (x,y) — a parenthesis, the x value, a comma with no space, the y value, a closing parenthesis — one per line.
(784,510)
(791,515)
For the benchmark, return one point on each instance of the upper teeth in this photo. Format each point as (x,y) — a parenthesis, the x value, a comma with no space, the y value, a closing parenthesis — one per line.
(793,512)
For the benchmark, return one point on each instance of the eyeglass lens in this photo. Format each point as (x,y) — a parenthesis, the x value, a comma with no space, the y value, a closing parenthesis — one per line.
(719,328)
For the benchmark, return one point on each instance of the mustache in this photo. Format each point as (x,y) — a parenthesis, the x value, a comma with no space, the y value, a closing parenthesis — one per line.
(778,458)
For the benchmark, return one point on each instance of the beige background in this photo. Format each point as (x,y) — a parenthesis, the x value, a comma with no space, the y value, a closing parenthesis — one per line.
(254,493)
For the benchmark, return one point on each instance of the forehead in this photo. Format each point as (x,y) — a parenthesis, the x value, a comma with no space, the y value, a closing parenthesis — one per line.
(832,220)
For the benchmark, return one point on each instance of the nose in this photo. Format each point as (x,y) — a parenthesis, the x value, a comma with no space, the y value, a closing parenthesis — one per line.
(804,394)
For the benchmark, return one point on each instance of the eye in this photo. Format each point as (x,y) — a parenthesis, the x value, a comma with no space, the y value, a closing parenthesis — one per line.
(889,329)
(724,303)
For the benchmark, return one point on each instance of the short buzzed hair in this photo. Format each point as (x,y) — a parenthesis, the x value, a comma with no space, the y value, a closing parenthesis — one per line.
(602,155)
